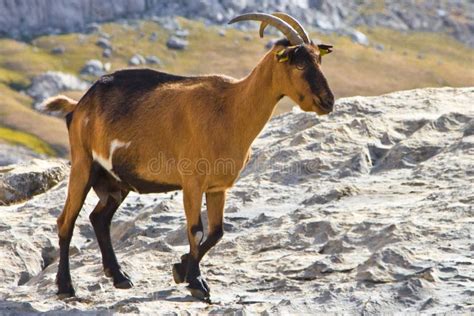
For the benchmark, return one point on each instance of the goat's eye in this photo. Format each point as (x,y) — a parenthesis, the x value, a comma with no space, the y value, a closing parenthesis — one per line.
(300,66)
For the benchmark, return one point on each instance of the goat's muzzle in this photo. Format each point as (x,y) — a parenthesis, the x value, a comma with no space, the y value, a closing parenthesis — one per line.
(325,106)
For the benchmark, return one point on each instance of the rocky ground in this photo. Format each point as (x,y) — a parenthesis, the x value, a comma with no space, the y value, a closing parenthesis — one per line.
(366,210)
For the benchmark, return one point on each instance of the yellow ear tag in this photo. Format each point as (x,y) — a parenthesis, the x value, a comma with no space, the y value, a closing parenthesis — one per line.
(281,58)
(323,52)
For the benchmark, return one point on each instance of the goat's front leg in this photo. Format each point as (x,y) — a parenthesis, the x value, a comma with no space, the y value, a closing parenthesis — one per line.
(215,211)
(198,287)
(215,214)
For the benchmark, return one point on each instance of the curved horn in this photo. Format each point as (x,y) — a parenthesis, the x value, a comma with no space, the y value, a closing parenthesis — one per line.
(274,21)
(292,22)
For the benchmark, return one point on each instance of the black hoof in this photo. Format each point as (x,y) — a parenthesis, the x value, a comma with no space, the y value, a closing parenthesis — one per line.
(179,272)
(66,292)
(122,280)
(125,284)
(179,269)
(65,288)
(199,289)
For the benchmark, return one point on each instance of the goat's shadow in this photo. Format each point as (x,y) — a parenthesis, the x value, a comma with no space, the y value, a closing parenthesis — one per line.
(25,308)
(163,295)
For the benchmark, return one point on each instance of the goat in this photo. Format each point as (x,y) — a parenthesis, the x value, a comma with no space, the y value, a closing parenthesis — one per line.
(132,122)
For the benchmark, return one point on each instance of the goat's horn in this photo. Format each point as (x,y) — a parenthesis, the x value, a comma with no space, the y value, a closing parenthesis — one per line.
(292,22)
(281,25)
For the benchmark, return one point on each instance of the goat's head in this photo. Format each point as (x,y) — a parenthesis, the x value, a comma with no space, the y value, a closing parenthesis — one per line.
(297,63)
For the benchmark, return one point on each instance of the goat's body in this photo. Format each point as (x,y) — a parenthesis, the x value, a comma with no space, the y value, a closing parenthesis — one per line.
(148,131)
(192,131)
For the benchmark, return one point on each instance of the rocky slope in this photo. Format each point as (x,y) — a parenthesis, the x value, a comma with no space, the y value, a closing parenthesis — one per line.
(25,18)
(367,210)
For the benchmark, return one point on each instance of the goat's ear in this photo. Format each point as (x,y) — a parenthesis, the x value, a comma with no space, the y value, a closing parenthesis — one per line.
(282,55)
(324,49)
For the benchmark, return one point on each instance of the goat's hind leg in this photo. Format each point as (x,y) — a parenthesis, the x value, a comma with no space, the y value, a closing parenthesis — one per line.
(101,218)
(79,185)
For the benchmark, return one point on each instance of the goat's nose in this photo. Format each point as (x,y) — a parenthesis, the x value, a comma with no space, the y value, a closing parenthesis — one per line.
(328,104)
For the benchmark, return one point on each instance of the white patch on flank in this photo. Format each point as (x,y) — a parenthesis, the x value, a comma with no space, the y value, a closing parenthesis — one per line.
(198,237)
(106,163)
(86,121)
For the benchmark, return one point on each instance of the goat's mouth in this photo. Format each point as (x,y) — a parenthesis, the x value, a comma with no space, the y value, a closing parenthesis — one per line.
(320,107)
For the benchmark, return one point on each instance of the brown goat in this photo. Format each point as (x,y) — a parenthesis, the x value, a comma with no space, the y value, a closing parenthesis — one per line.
(146,131)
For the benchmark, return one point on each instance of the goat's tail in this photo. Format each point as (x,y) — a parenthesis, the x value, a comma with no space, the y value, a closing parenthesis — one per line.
(59,104)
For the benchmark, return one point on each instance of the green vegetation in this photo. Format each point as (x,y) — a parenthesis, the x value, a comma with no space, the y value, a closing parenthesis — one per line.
(27,140)
(16,113)
(407,61)
(19,62)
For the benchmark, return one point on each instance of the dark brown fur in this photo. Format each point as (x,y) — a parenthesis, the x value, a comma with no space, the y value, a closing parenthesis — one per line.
(119,93)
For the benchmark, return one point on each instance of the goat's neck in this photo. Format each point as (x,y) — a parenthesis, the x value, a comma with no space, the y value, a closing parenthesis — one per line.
(255,99)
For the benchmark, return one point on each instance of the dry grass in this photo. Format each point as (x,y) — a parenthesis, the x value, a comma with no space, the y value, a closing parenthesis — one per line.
(15,114)
(20,61)
(408,61)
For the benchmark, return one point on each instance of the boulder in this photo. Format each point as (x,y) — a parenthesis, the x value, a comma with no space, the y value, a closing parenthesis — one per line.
(137,60)
(107,53)
(177,43)
(92,28)
(153,60)
(12,154)
(358,37)
(107,67)
(183,33)
(22,181)
(93,67)
(58,50)
(103,43)
(52,83)
(169,23)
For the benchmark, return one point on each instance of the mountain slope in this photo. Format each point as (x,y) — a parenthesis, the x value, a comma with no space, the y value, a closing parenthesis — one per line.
(393,62)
